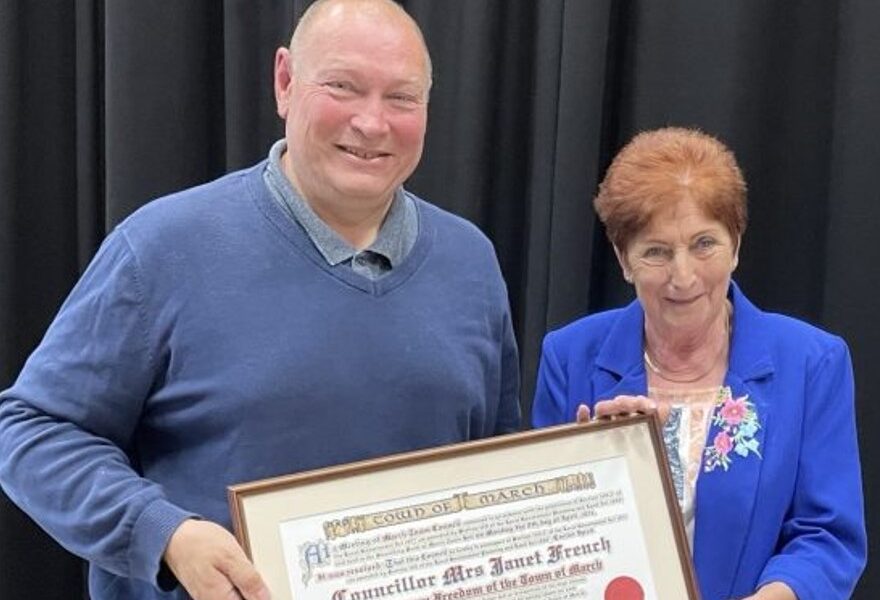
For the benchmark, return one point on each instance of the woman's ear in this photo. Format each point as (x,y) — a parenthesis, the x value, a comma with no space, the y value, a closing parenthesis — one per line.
(736,248)
(621,260)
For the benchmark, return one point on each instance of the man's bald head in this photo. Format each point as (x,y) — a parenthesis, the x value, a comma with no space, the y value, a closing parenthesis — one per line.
(353,91)
(322,10)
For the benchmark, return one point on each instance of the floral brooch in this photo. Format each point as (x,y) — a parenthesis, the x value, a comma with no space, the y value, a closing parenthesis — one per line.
(738,423)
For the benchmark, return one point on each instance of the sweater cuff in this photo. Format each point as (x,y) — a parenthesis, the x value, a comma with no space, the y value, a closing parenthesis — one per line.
(149,539)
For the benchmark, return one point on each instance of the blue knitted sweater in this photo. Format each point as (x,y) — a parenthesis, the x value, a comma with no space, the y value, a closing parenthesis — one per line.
(209,343)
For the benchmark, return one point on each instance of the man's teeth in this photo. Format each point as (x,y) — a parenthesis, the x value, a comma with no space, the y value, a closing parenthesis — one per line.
(362,154)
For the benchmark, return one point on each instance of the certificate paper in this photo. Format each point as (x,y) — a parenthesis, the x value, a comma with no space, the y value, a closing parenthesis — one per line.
(571,512)
(560,533)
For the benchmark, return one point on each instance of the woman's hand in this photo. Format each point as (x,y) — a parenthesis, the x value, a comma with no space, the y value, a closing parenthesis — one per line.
(622,405)
(775,590)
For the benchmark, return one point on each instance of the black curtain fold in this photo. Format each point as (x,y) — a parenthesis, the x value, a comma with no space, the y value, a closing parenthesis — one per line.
(89,128)
(105,105)
(251,33)
(164,99)
(852,279)
(38,242)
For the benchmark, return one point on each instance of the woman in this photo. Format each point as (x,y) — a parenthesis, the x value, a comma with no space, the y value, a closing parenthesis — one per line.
(757,407)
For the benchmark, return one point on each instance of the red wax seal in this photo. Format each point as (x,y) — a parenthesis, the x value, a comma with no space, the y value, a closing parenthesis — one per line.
(624,588)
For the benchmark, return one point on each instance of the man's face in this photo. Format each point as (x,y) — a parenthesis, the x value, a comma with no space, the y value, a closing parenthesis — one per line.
(355,108)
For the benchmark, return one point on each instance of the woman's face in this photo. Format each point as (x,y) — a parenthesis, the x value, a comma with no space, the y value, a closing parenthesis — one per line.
(680,264)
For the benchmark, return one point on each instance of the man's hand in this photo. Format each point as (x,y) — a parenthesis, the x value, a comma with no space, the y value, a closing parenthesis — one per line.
(623,405)
(210,565)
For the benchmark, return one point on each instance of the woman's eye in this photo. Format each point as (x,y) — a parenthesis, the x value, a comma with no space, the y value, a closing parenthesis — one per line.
(706,243)
(656,255)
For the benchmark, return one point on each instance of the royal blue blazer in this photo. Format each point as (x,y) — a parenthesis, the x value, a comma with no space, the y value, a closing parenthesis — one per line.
(792,513)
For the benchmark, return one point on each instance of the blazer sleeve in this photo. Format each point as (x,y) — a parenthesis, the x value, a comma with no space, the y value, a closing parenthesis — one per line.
(822,548)
(551,390)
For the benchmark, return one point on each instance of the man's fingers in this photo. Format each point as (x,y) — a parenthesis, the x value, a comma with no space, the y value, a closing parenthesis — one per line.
(232,594)
(583,414)
(210,565)
(247,580)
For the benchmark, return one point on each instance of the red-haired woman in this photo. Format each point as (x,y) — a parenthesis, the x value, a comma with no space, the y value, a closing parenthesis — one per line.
(757,408)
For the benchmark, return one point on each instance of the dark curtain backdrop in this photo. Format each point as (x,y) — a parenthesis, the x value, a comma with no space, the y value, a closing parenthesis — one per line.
(105,104)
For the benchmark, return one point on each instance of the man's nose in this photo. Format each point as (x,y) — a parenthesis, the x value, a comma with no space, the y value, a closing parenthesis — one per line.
(370,119)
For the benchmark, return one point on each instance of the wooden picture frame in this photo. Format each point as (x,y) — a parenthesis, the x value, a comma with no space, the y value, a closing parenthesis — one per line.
(578,510)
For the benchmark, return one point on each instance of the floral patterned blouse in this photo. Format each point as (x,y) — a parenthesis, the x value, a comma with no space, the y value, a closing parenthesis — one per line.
(684,434)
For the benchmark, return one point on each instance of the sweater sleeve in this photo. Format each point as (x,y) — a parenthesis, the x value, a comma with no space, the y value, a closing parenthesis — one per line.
(823,541)
(68,422)
(509,412)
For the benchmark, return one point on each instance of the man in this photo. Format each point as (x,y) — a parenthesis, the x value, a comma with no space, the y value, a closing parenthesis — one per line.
(304,312)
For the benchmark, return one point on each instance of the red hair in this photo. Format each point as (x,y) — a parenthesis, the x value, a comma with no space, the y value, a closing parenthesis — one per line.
(660,168)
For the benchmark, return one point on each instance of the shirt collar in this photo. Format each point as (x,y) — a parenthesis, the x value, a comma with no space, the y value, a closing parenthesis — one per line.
(395,238)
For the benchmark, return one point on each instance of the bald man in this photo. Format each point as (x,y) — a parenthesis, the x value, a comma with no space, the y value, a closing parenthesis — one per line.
(304,312)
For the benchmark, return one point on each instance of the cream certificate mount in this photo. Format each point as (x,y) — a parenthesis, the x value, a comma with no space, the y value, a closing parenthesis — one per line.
(577,511)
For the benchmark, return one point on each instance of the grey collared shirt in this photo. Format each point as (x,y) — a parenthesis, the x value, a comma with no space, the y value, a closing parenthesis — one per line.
(395,238)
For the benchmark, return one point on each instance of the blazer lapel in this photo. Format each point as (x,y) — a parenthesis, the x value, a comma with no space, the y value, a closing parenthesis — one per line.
(725,498)
(620,367)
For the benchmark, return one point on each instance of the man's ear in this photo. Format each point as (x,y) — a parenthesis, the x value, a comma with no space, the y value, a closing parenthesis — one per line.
(282,82)
(621,260)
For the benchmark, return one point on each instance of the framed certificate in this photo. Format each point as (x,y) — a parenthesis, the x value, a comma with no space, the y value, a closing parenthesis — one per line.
(575,511)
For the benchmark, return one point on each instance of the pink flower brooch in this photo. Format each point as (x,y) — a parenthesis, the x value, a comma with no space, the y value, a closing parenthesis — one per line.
(738,424)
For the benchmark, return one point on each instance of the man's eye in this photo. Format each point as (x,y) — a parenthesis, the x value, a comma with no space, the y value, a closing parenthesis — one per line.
(409,98)
(339,85)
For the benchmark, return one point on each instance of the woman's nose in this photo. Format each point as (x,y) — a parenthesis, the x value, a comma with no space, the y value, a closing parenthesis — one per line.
(682,270)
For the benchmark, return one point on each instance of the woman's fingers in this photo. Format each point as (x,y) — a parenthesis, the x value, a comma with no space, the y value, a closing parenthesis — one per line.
(624,405)
(583,414)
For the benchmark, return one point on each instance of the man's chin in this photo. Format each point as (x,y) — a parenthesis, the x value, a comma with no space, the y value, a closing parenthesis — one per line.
(366,190)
